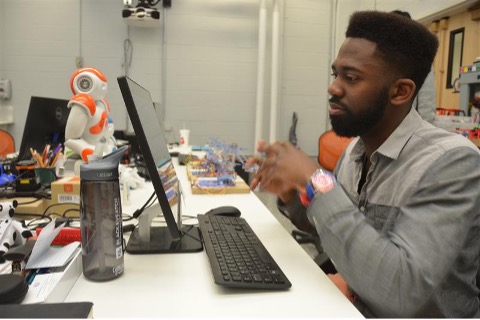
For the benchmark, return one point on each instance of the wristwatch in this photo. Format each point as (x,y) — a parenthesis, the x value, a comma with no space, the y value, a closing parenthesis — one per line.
(321,181)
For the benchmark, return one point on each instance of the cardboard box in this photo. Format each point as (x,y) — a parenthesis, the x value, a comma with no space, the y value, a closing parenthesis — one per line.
(66,190)
(66,196)
(29,206)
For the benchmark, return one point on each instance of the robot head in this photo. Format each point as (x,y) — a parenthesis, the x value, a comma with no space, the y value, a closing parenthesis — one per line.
(7,209)
(90,81)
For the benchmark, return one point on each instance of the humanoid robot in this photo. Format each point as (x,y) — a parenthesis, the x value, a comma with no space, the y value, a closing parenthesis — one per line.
(88,132)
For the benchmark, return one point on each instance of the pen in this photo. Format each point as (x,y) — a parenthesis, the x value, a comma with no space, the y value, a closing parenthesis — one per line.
(49,158)
(59,146)
(55,158)
(54,154)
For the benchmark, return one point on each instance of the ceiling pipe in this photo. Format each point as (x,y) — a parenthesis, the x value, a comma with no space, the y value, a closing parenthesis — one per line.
(262,31)
(274,73)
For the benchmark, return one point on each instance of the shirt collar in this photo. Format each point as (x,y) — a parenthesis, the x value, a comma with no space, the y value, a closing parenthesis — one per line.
(395,142)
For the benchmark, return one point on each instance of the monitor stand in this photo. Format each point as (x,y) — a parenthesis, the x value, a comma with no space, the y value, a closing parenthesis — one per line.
(146,238)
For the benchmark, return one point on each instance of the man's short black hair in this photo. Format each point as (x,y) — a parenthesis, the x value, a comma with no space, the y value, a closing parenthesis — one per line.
(407,47)
(403,13)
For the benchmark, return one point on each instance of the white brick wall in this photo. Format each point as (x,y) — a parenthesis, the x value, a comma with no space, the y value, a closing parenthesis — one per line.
(211,62)
(210,49)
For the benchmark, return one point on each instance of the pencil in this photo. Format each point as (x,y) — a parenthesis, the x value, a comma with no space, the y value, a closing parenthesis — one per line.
(45,153)
(39,160)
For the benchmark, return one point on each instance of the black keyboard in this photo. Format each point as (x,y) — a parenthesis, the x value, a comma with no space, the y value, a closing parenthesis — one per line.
(237,257)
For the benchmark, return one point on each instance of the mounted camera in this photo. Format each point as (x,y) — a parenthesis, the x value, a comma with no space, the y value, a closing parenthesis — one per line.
(143,14)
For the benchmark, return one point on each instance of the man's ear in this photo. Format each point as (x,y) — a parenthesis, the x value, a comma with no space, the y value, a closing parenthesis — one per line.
(402,91)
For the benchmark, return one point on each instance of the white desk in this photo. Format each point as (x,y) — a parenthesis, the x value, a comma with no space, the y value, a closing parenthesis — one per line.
(181,285)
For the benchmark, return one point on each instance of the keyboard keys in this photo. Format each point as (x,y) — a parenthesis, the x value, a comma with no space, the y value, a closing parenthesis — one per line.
(237,257)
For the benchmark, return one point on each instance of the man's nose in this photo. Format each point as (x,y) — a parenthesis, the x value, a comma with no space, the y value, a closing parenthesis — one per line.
(334,89)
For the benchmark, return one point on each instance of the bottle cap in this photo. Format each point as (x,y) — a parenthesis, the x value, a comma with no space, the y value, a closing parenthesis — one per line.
(105,168)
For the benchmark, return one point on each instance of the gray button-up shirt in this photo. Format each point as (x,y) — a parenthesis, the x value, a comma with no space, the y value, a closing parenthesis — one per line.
(409,244)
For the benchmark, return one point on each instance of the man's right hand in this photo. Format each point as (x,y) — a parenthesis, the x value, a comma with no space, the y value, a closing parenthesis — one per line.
(284,170)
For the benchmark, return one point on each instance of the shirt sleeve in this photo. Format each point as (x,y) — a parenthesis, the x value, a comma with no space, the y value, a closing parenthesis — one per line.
(394,273)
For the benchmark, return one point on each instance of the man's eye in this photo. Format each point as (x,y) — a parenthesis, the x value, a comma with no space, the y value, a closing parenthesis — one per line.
(334,75)
(350,78)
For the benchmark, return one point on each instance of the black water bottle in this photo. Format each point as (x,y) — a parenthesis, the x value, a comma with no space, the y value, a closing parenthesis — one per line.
(101,218)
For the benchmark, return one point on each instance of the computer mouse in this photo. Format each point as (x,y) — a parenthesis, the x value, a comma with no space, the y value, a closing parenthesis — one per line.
(225,211)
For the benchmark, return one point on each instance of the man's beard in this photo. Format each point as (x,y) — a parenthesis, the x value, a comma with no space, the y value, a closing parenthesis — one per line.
(350,125)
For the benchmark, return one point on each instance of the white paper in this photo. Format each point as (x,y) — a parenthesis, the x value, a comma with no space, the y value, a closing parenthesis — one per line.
(45,256)
(41,286)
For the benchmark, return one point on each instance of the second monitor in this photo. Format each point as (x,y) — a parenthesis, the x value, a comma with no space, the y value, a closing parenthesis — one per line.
(45,124)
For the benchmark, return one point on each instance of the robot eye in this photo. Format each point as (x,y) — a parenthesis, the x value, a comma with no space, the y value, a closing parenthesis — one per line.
(85,83)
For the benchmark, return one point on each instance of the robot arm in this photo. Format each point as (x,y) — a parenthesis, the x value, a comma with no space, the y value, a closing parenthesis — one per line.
(82,110)
(81,106)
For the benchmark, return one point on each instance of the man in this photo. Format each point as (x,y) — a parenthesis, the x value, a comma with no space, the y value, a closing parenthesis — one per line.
(402,221)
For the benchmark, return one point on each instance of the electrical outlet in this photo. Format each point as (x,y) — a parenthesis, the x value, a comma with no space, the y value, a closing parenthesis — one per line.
(78,62)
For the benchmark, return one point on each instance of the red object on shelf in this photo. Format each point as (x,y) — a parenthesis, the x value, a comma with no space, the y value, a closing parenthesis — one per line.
(65,236)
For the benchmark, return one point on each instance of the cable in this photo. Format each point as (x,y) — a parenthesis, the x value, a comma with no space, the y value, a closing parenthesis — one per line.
(185,233)
(36,224)
(128,228)
(58,204)
(29,202)
(80,27)
(70,210)
(2,195)
(127,53)
(126,217)
(138,212)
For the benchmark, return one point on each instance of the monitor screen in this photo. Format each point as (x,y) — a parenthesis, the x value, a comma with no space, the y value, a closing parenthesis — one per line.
(153,146)
(45,124)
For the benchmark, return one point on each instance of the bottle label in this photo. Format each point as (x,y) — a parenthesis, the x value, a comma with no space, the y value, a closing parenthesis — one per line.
(118,228)
(118,270)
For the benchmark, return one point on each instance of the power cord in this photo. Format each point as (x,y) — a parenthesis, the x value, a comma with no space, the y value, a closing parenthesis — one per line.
(186,233)
(138,212)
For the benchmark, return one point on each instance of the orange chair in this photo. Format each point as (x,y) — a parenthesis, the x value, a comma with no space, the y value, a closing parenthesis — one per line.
(330,148)
(7,143)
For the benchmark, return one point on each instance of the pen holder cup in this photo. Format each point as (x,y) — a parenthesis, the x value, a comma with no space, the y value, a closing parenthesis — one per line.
(46,175)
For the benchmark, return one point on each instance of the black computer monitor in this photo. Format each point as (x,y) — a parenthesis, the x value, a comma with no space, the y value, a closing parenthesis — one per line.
(153,146)
(45,124)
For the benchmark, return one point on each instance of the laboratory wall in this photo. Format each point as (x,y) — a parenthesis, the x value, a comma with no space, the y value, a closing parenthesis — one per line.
(200,64)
